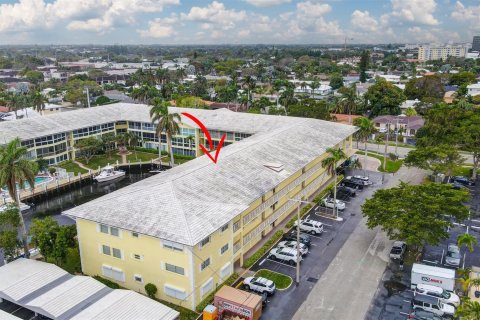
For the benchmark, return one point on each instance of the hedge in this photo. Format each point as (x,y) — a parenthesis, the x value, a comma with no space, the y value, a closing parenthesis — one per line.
(208,299)
(257,255)
(165,153)
(107,282)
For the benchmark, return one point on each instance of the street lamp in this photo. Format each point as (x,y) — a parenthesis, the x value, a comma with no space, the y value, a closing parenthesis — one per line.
(297,278)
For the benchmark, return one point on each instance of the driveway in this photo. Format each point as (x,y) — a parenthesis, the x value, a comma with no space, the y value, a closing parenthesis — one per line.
(344,291)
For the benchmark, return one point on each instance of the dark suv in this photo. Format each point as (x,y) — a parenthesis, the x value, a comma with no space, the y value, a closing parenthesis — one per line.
(463,180)
(352,184)
(292,236)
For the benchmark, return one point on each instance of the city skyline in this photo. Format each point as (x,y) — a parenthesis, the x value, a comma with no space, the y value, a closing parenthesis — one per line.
(171,22)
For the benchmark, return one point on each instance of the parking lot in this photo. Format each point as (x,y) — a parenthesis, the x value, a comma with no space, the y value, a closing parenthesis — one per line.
(323,250)
(393,296)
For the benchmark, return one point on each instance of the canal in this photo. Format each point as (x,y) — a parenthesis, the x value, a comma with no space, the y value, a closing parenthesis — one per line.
(55,203)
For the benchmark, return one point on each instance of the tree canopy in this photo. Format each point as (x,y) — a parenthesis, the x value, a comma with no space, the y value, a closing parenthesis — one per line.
(416,213)
(425,87)
(310,108)
(384,98)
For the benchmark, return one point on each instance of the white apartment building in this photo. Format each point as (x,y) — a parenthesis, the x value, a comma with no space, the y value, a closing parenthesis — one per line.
(441,52)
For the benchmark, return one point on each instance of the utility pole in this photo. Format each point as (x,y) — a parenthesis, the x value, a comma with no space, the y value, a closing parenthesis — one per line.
(396,137)
(386,145)
(88,97)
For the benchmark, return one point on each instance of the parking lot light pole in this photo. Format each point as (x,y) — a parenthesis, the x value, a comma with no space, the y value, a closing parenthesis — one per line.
(297,278)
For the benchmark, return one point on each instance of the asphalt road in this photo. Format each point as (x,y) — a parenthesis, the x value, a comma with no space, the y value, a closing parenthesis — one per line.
(402,151)
(346,288)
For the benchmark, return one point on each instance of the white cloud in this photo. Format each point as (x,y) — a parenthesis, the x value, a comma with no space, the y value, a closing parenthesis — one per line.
(216,14)
(417,11)
(243,33)
(363,21)
(92,15)
(313,9)
(160,28)
(267,3)
(469,14)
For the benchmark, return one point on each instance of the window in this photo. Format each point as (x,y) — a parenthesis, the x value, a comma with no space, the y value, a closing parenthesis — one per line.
(134,234)
(138,278)
(205,264)
(206,287)
(172,245)
(224,227)
(175,292)
(114,231)
(173,268)
(224,249)
(137,256)
(113,273)
(225,271)
(106,249)
(236,226)
(117,253)
(204,241)
(103,228)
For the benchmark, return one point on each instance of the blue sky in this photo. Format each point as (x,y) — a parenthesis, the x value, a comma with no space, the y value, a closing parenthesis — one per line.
(237,21)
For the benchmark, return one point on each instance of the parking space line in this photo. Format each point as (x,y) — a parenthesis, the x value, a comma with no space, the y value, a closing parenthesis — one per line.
(262,262)
(407,301)
(287,265)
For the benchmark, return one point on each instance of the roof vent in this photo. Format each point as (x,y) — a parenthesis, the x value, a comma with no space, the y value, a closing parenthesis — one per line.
(277,167)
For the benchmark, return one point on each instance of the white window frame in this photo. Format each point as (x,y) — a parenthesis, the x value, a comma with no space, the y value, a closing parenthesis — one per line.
(206,287)
(118,231)
(100,225)
(178,292)
(121,253)
(135,276)
(201,244)
(170,245)
(175,267)
(228,248)
(103,246)
(226,268)
(209,263)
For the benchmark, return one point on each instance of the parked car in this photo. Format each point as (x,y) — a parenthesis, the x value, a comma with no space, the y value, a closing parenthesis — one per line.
(350,191)
(452,258)
(259,284)
(304,238)
(364,178)
(464,180)
(432,304)
(457,186)
(310,226)
(341,195)
(285,254)
(423,315)
(358,180)
(293,245)
(398,250)
(442,294)
(328,202)
(352,184)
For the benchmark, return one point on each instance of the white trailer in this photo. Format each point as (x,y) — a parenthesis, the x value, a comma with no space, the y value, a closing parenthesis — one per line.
(436,276)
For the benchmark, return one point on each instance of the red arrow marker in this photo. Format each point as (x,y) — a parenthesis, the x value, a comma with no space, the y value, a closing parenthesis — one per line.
(207,134)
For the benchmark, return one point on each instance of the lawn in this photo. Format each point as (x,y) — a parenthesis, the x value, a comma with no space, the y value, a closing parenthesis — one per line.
(101,161)
(391,166)
(463,171)
(72,167)
(141,156)
(281,281)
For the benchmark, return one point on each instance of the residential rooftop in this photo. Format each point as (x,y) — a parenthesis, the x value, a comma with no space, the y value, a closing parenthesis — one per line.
(189,202)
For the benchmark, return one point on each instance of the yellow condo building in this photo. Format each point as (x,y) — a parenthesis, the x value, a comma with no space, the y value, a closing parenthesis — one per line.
(186,229)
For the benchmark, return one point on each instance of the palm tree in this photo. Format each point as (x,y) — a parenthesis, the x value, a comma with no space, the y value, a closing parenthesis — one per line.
(250,83)
(330,163)
(166,122)
(349,101)
(314,85)
(365,129)
(190,139)
(142,94)
(467,240)
(14,103)
(469,310)
(378,140)
(15,171)
(38,102)
(130,140)
(410,112)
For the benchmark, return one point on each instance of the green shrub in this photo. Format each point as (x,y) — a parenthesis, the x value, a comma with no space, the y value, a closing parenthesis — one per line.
(52,170)
(102,100)
(257,255)
(208,299)
(164,153)
(107,282)
(151,290)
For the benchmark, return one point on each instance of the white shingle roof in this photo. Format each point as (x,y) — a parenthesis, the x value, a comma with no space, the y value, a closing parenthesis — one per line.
(189,202)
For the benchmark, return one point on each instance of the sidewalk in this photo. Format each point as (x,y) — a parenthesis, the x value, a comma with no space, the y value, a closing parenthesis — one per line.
(345,290)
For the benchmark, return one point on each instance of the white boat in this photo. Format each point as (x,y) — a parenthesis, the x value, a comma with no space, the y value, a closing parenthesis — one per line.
(109,173)
(23,207)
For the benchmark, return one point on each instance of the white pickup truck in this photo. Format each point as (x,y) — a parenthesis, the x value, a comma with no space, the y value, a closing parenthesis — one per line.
(398,250)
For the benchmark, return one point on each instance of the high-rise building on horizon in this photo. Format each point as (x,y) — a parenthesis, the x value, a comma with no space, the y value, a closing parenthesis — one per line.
(476,43)
(441,52)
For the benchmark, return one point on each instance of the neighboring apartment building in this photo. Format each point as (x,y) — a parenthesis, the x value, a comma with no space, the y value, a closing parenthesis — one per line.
(408,125)
(187,228)
(473,89)
(476,43)
(441,52)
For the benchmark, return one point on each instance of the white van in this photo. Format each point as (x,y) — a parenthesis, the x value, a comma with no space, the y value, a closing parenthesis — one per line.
(437,292)
(432,304)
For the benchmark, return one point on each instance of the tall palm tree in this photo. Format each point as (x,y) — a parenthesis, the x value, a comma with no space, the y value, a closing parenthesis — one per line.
(314,85)
(250,83)
(190,139)
(330,163)
(38,102)
(14,103)
(365,129)
(467,240)
(165,122)
(15,171)
(349,101)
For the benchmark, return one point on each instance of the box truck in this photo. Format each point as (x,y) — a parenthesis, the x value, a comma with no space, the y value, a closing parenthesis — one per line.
(436,276)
